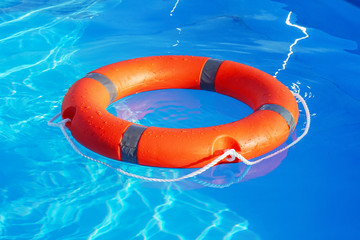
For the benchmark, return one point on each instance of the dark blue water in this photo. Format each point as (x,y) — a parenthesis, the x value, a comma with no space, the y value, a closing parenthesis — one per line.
(47,191)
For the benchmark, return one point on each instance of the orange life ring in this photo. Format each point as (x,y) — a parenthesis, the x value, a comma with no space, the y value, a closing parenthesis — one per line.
(274,118)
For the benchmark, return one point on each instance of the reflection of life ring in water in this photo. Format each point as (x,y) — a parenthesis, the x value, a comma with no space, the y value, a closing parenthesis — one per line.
(275,111)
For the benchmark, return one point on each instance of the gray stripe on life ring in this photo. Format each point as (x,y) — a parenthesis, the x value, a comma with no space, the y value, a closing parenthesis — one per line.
(106,82)
(129,143)
(208,73)
(283,112)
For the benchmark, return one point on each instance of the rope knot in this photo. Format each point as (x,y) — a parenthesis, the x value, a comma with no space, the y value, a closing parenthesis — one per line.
(231,155)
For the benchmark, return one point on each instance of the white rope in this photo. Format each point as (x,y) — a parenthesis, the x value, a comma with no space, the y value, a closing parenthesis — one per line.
(230,155)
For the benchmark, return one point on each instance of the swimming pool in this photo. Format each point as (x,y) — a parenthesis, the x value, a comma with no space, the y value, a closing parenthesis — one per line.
(49,192)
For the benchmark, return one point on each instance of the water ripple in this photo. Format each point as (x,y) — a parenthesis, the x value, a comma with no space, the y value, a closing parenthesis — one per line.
(303,29)
(51,32)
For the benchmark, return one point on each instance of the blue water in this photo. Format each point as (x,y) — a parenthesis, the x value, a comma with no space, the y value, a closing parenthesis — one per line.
(47,191)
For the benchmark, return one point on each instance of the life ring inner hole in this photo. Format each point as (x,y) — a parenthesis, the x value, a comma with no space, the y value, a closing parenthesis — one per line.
(179,108)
